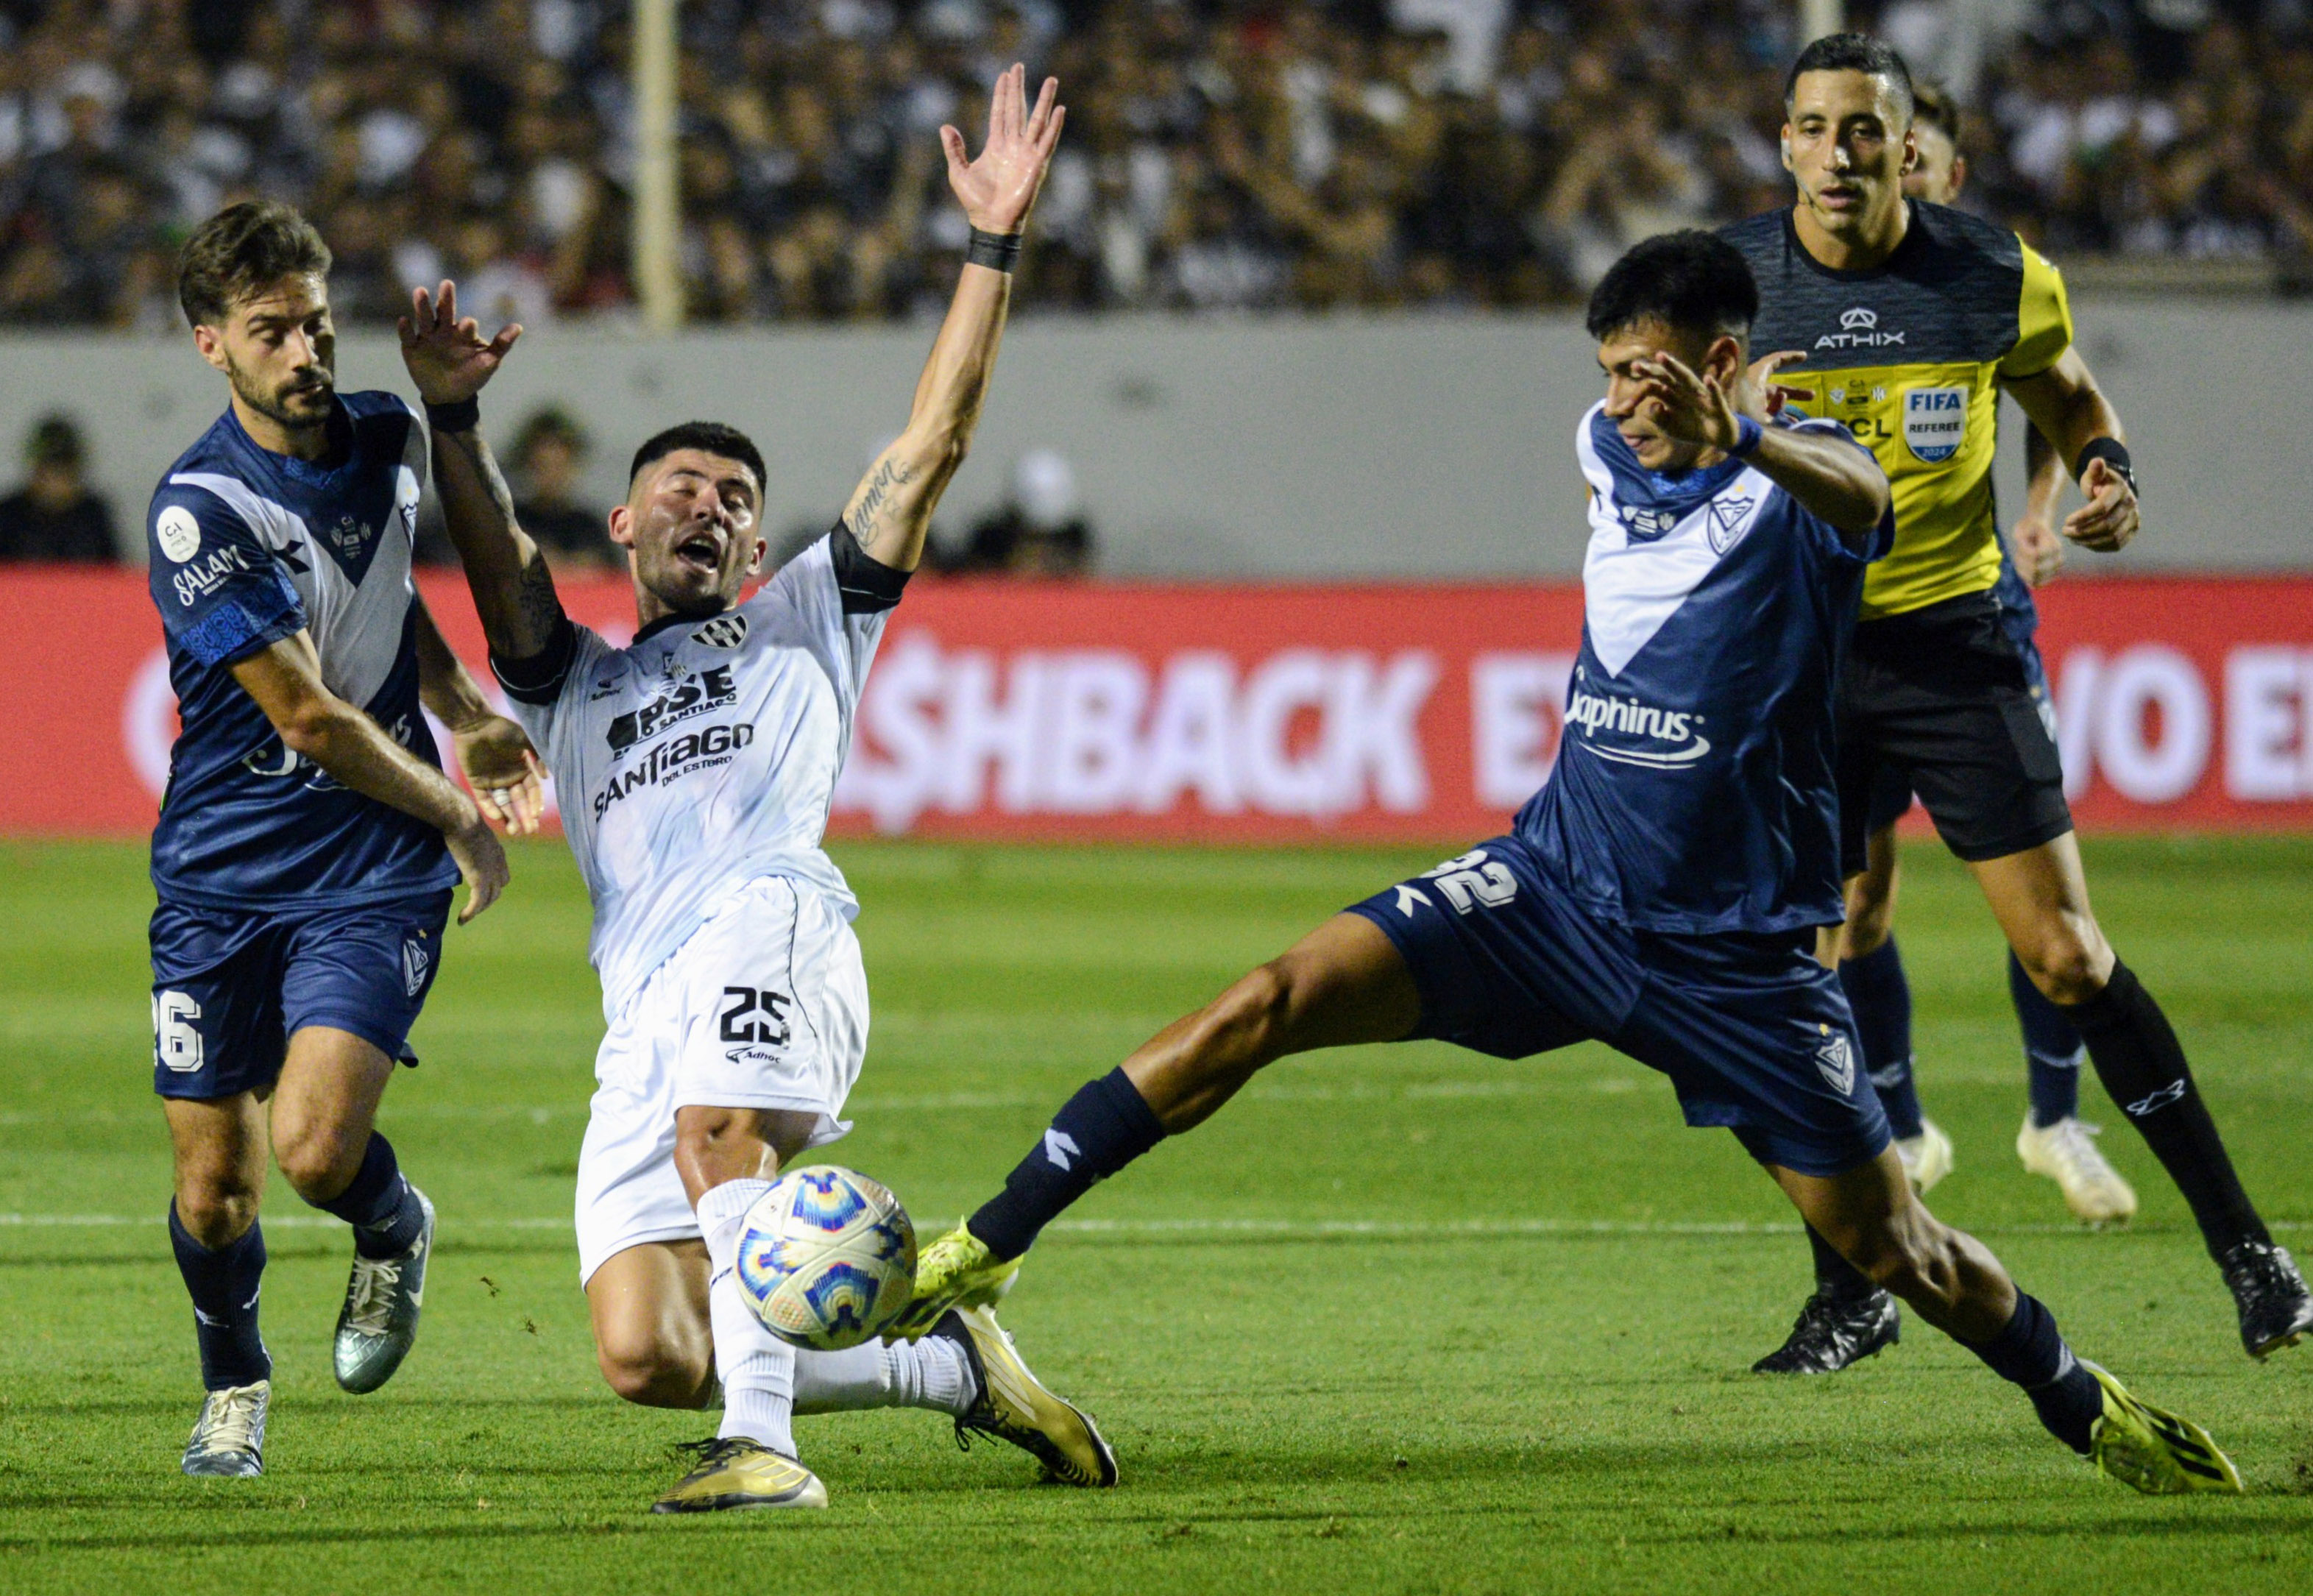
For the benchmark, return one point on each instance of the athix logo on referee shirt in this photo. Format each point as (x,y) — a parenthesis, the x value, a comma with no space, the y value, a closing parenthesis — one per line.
(1859,328)
(1594,713)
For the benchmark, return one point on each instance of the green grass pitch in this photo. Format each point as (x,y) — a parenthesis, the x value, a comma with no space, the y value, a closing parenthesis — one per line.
(1400,1320)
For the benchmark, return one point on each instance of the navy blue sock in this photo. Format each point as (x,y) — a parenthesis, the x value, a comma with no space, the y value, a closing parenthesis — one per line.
(1882,1001)
(2052,1050)
(1104,1126)
(223,1285)
(2031,1354)
(379,1203)
(2142,1066)
(1834,1276)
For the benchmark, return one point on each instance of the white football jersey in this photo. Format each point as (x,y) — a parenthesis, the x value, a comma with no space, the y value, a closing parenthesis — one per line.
(701,756)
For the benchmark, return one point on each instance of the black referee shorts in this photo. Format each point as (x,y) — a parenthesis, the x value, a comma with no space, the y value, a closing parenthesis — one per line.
(1939,698)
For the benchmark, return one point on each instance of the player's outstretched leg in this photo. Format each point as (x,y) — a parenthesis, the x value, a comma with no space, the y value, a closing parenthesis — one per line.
(2040,897)
(1951,1280)
(1342,983)
(220,1250)
(2055,1140)
(323,1111)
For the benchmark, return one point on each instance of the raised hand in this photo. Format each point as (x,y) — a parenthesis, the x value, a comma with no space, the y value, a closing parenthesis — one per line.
(997,190)
(2109,519)
(447,356)
(1761,378)
(1693,409)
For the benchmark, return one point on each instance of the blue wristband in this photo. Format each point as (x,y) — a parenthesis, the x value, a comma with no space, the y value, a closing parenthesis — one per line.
(1748,433)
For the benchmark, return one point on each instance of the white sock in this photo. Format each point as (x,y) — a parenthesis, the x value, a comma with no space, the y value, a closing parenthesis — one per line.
(933,1372)
(757,1368)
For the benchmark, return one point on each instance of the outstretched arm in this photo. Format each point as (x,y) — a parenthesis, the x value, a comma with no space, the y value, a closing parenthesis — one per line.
(891,508)
(450,363)
(1832,478)
(499,764)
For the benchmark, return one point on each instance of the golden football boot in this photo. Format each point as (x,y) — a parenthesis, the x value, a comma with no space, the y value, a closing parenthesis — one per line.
(1017,1406)
(2153,1450)
(733,1472)
(957,1271)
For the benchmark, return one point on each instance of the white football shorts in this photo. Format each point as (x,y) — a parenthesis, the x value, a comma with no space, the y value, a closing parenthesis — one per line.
(764,1006)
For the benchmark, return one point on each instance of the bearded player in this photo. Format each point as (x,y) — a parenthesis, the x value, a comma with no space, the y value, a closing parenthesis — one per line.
(1663,891)
(1913,319)
(695,766)
(308,840)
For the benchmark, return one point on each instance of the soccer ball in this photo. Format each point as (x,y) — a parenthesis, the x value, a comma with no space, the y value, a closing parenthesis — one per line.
(827,1257)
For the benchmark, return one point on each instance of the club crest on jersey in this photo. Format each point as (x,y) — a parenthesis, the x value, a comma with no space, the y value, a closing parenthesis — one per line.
(725,631)
(1730,518)
(1935,422)
(1836,1060)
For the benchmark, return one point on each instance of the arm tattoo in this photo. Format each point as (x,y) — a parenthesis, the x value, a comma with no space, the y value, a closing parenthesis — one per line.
(889,476)
(486,465)
(536,604)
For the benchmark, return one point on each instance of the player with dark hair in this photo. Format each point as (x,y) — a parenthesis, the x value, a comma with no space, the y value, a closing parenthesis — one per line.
(1663,891)
(308,840)
(696,767)
(1912,318)
(2054,1142)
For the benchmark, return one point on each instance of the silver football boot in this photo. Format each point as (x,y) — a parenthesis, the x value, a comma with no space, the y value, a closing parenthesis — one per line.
(379,1322)
(228,1439)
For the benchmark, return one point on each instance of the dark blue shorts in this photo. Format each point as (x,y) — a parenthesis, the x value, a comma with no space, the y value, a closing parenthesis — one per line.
(1754,1035)
(230,987)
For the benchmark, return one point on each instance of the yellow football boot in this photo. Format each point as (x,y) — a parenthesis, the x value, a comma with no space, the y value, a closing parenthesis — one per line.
(2153,1450)
(957,1271)
(733,1471)
(1017,1406)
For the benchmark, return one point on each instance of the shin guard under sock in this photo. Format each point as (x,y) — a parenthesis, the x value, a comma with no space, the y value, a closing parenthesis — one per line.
(2138,1058)
(379,1203)
(2052,1050)
(1104,1126)
(223,1284)
(1881,998)
(2031,1354)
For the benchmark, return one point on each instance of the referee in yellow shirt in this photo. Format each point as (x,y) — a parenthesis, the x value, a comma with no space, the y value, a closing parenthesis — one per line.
(1905,321)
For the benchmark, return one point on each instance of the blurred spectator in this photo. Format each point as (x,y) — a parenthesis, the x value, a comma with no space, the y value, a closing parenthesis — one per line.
(1222,154)
(1039,531)
(55,515)
(550,458)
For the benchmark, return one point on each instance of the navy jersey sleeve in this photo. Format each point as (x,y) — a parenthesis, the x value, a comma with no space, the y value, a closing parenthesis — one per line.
(1828,539)
(221,594)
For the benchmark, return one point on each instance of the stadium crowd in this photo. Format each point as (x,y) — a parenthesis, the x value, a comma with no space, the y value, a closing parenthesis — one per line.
(1222,153)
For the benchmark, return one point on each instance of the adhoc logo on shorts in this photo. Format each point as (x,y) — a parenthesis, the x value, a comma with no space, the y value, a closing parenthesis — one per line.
(1859,328)
(686,694)
(414,963)
(1836,1059)
(1935,422)
(702,750)
(1672,730)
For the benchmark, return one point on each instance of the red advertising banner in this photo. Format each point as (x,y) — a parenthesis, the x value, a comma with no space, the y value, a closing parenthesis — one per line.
(1271,713)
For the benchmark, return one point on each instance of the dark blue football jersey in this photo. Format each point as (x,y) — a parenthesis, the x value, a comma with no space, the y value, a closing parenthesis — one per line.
(247,547)
(1692,791)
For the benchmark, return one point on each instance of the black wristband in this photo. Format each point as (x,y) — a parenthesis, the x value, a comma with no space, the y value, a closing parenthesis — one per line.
(463,415)
(997,250)
(2113,453)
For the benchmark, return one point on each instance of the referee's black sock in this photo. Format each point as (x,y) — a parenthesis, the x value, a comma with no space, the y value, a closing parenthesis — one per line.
(1104,1126)
(1834,1276)
(2142,1066)
(223,1283)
